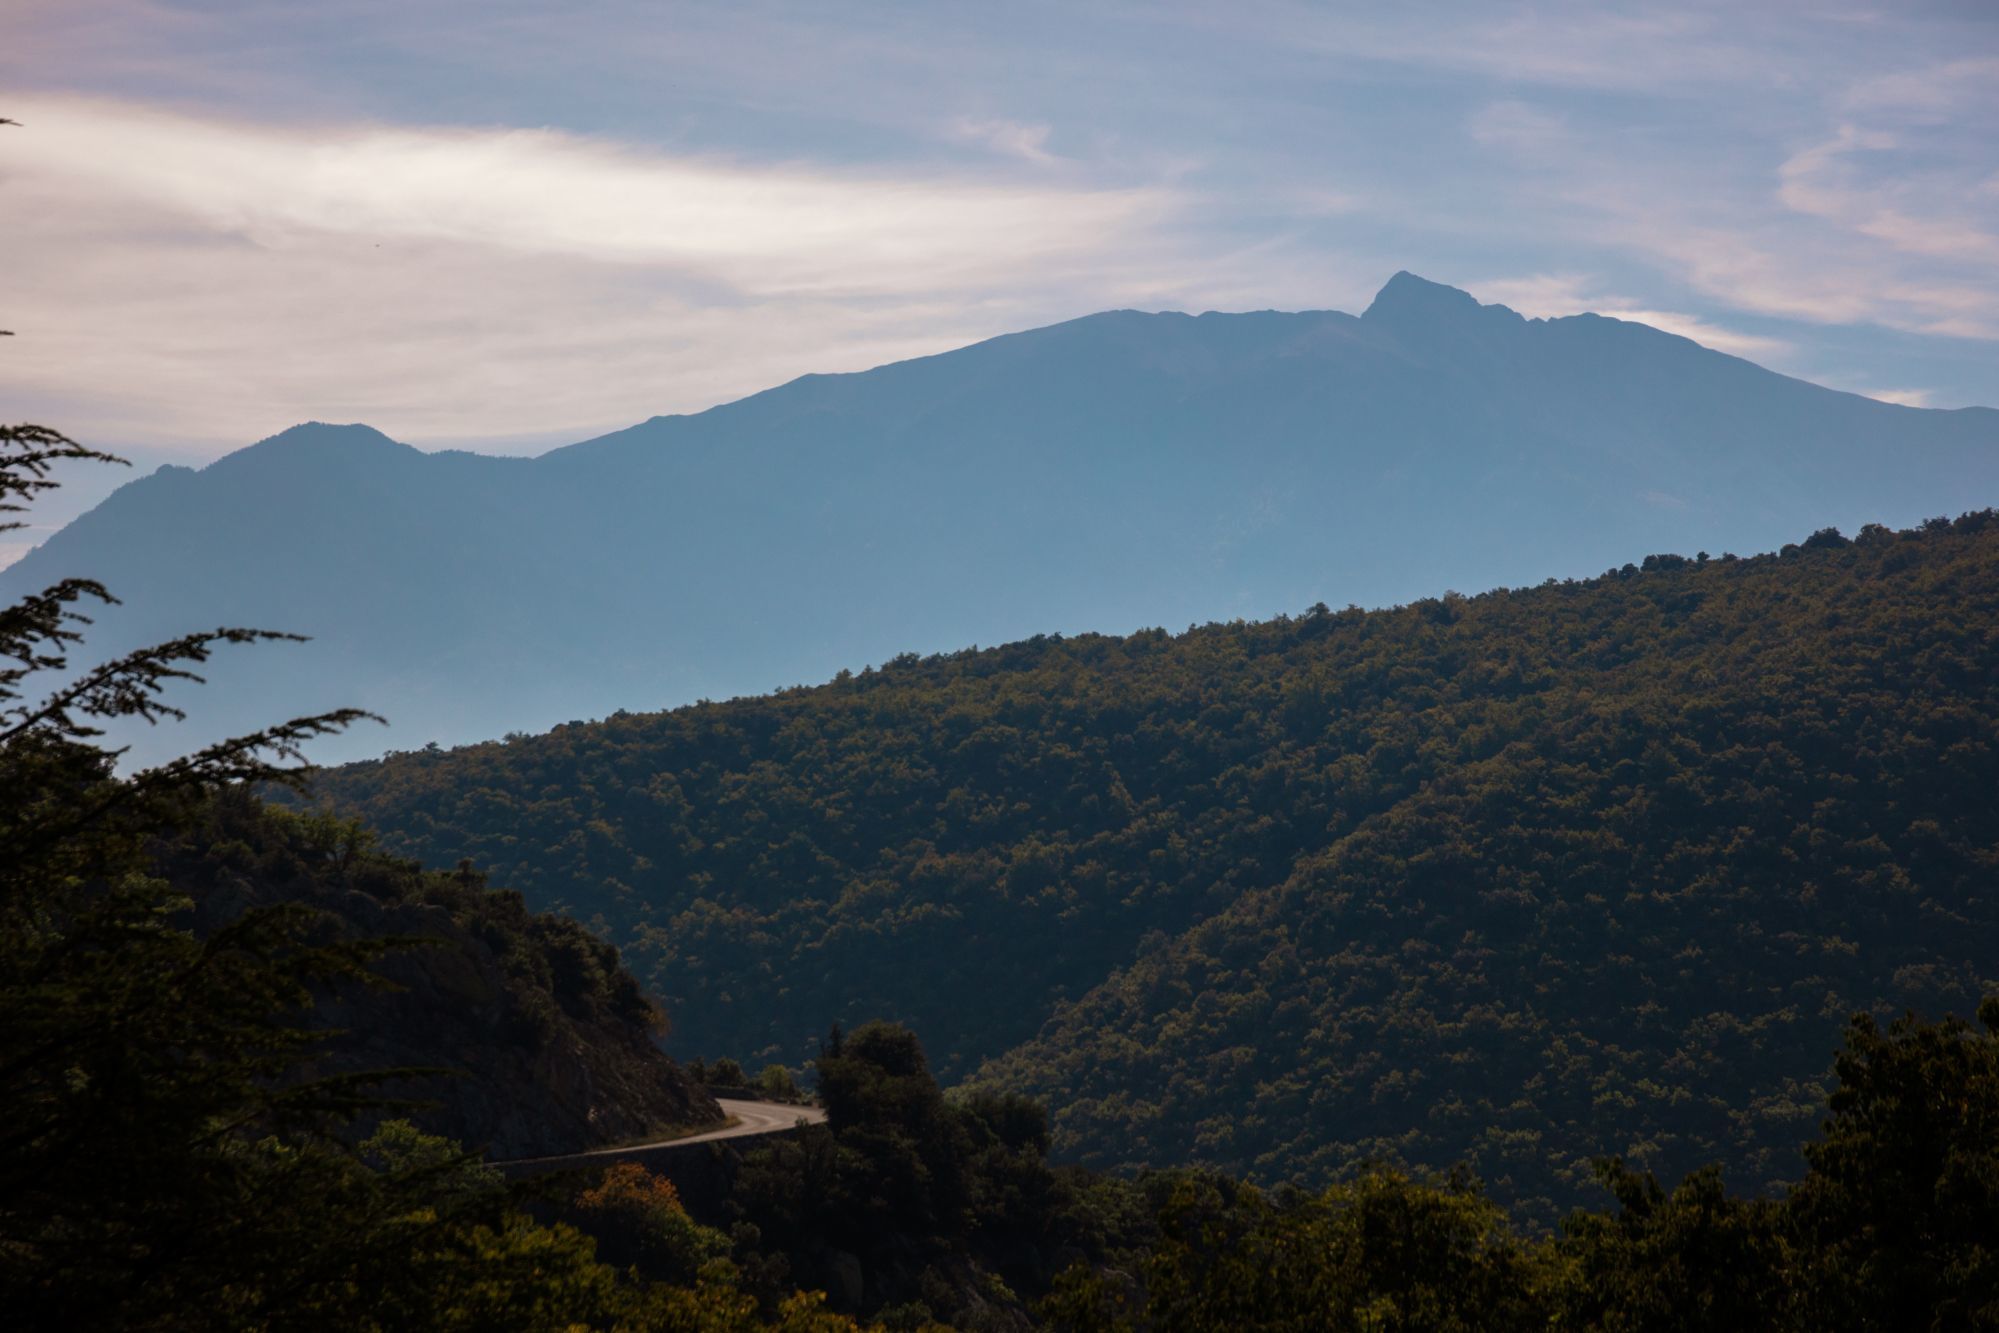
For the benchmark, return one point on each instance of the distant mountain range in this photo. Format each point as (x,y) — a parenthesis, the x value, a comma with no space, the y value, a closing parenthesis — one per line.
(1110,473)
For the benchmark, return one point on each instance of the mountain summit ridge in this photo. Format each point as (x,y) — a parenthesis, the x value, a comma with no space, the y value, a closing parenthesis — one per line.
(1408,294)
(1107,473)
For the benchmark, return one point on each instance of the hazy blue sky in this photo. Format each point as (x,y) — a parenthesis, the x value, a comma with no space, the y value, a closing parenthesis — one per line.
(504,224)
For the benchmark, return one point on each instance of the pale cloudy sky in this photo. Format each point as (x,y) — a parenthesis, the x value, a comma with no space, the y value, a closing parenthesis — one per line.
(504,224)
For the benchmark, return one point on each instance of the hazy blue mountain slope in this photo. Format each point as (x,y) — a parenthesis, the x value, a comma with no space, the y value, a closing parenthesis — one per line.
(1112,472)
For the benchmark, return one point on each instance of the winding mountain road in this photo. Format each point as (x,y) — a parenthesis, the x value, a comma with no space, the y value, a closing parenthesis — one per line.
(757,1118)
(751,1119)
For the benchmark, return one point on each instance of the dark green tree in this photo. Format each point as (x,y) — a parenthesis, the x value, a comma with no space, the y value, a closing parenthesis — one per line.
(165,1161)
(1692,1260)
(140,1067)
(1899,1213)
(1385,1254)
(883,1103)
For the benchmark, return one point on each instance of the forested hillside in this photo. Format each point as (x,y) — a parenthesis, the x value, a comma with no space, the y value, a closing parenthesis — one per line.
(547,1041)
(1519,878)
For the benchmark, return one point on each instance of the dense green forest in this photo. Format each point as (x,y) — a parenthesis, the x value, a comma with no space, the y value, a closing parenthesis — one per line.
(1511,880)
(908,1206)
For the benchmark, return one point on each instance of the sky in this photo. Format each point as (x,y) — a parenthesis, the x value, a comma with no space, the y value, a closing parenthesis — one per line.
(503,225)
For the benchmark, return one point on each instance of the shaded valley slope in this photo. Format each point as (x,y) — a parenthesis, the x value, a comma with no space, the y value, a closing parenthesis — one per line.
(541,1041)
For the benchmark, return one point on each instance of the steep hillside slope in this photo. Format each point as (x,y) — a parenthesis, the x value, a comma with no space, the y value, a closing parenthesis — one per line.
(1520,877)
(1114,472)
(546,1042)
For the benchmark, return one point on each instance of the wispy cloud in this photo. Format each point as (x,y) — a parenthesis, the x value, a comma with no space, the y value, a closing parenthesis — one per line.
(1903,397)
(1920,213)
(1936,93)
(1879,217)
(1007,137)
(1514,124)
(1736,343)
(226,275)
(760,228)
(1551,295)
(1558,44)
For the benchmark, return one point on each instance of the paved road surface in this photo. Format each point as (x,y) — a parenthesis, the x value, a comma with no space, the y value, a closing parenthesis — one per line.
(752,1118)
(757,1118)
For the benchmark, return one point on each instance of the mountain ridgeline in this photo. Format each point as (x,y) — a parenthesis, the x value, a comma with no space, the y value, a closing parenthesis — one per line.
(1515,879)
(1109,473)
